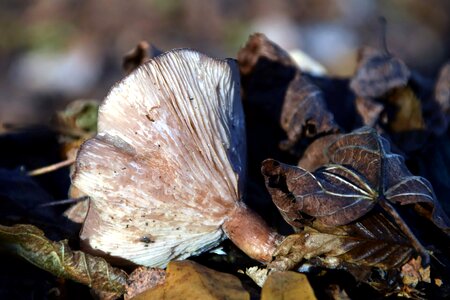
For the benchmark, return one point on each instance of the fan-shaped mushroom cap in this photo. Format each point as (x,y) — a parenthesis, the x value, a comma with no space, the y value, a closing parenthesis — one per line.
(167,165)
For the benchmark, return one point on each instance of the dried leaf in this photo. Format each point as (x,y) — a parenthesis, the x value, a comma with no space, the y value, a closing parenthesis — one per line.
(413,272)
(57,258)
(259,53)
(142,279)
(139,55)
(304,113)
(287,285)
(315,156)
(187,278)
(369,110)
(373,241)
(274,85)
(377,73)
(257,274)
(361,172)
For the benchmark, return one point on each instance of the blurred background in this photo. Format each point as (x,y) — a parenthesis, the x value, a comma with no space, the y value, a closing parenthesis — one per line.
(53,52)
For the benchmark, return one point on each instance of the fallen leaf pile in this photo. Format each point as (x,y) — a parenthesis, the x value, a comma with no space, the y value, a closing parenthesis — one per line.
(354,172)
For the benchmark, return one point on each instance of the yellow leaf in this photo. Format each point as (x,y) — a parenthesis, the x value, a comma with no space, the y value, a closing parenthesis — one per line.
(189,280)
(287,285)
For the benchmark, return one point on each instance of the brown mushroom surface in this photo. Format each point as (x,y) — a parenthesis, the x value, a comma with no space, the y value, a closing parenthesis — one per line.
(166,170)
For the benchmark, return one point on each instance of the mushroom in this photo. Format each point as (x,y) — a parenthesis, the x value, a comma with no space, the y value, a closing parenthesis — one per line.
(166,171)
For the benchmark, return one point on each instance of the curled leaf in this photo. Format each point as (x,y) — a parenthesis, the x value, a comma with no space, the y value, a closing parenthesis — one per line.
(57,258)
(305,113)
(368,110)
(273,84)
(373,241)
(187,278)
(377,73)
(361,171)
(315,156)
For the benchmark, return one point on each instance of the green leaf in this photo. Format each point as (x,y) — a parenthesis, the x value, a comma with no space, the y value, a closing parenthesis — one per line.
(57,258)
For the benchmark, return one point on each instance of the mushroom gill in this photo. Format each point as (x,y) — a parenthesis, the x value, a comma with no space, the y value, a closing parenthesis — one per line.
(166,171)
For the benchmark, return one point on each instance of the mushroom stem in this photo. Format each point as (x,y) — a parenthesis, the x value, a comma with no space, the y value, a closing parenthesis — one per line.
(251,234)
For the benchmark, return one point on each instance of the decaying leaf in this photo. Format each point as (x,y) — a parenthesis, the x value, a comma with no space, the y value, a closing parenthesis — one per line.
(142,279)
(373,241)
(368,110)
(361,172)
(315,155)
(257,274)
(304,114)
(377,73)
(57,258)
(187,279)
(274,84)
(287,285)
(413,272)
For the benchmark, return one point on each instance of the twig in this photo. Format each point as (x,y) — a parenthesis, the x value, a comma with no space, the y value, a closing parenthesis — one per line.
(65,201)
(51,168)
(383,34)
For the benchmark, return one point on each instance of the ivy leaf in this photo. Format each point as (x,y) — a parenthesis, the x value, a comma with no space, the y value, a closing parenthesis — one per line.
(57,258)
(361,172)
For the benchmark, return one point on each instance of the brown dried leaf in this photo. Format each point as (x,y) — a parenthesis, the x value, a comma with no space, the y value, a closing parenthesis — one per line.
(273,84)
(259,50)
(361,172)
(377,73)
(198,282)
(139,55)
(315,156)
(304,113)
(287,285)
(57,258)
(142,279)
(373,241)
(369,110)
